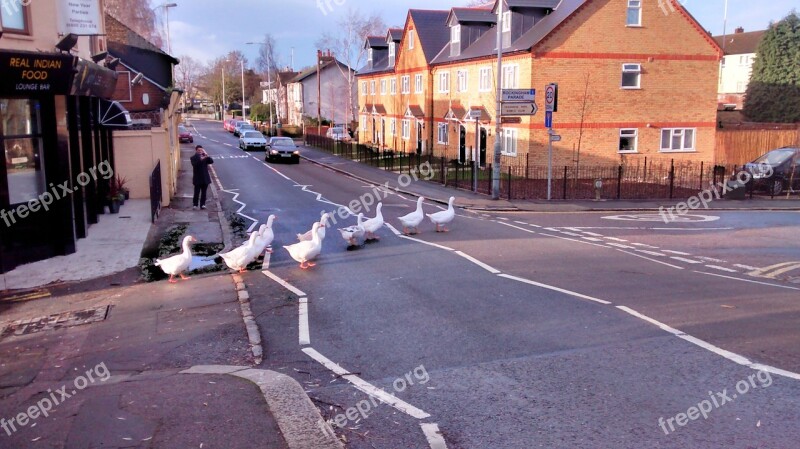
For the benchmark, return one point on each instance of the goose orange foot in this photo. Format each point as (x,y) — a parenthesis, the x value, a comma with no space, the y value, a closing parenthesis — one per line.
(184,277)
(172,279)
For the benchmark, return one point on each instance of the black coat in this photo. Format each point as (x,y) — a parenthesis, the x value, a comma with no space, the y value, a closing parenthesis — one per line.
(201,177)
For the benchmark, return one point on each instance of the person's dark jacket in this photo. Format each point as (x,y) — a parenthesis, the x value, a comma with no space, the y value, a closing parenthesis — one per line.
(201,177)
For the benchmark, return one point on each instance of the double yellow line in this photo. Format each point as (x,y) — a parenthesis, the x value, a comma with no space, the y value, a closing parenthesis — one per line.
(29,296)
(772,272)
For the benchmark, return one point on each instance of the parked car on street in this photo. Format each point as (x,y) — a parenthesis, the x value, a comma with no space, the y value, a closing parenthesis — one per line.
(338,134)
(282,148)
(184,135)
(252,140)
(228,124)
(232,126)
(785,164)
(242,127)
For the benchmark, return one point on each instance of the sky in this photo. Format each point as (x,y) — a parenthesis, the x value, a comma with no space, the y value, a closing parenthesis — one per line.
(207,29)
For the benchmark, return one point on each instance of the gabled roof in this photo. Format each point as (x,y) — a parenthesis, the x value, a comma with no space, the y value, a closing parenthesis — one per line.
(471,15)
(312,71)
(123,34)
(740,43)
(376,42)
(432,30)
(550,4)
(395,34)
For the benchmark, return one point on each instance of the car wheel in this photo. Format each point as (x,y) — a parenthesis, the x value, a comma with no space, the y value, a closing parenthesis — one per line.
(777,187)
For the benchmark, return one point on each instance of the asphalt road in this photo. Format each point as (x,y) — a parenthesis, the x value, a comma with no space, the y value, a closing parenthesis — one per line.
(529,330)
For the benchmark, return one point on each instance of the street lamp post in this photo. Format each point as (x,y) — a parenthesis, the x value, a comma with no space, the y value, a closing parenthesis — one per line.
(223,91)
(166,7)
(244,102)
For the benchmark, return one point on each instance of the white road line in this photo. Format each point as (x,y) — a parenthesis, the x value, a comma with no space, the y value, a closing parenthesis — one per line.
(305,334)
(716,267)
(434,437)
(683,259)
(284,284)
(749,280)
(774,274)
(678,253)
(520,222)
(592,239)
(552,229)
(533,225)
(279,173)
(551,287)
(711,259)
(479,263)
(616,239)
(366,387)
(593,234)
(651,260)
(235,193)
(642,245)
(516,227)
(572,234)
(745,267)
(732,356)
(502,218)
(620,245)
(446,248)
(652,253)
(393,229)
(214,140)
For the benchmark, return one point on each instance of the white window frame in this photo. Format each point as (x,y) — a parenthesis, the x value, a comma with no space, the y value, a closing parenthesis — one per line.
(369,55)
(506,21)
(444,82)
(455,34)
(513,70)
(392,50)
(632,68)
(406,129)
(442,135)
(485,79)
(629,133)
(411,38)
(393,86)
(383,87)
(393,127)
(363,123)
(372,87)
(634,5)
(418,87)
(405,84)
(682,133)
(463,80)
(510,138)
(364,88)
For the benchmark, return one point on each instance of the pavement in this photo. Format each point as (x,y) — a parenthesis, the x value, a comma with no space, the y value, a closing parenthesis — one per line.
(474,201)
(150,365)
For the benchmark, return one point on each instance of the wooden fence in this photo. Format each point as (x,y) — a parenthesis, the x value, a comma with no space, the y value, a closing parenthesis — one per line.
(738,146)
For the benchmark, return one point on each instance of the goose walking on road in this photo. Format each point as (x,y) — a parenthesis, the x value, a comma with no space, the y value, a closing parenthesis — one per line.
(239,258)
(440,219)
(323,224)
(176,265)
(412,220)
(306,252)
(355,233)
(372,225)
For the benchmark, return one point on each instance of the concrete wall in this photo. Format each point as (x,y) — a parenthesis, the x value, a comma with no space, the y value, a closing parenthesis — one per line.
(136,154)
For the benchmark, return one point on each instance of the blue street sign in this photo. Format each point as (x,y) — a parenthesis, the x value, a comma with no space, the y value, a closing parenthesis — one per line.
(548,119)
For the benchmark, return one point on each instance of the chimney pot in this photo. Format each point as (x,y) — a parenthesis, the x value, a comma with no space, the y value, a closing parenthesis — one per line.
(739,30)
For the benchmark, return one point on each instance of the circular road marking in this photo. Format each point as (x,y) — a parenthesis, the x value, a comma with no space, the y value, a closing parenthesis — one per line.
(664,218)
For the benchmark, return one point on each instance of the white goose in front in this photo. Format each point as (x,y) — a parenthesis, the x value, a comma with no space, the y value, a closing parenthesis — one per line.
(306,252)
(372,225)
(239,258)
(412,220)
(176,265)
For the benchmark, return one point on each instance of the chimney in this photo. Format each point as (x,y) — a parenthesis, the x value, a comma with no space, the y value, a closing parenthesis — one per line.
(739,30)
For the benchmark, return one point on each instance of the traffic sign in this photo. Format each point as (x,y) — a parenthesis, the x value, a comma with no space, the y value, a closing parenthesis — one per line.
(551,98)
(475,113)
(511,120)
(555,137)
(548,119)
(518,109)
(519,95)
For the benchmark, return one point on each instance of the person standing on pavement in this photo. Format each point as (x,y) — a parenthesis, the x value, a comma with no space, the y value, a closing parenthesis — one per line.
(200,177)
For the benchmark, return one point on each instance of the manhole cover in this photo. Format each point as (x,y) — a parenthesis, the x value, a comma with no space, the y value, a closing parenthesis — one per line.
(57,321)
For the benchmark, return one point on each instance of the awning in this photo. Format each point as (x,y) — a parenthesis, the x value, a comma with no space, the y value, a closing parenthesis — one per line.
(379,109)
(455,113)
(92,80)
(113,115)
(415,111)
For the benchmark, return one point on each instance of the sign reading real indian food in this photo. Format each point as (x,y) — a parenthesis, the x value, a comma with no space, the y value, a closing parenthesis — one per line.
(30,74)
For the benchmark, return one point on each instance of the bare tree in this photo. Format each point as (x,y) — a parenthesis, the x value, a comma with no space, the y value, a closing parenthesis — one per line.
(187,75)
(138,16)
(231,65)
(584,112)
(347,43)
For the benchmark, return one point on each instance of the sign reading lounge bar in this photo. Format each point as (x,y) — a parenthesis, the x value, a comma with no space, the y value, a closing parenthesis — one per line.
(28,73)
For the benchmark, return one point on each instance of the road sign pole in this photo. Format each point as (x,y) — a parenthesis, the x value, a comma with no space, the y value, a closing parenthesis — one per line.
(498,147)
(549,165)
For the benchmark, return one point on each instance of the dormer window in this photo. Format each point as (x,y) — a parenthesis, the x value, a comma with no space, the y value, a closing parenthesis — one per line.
(391,50)
(455,34)
(507,21)
(369,57)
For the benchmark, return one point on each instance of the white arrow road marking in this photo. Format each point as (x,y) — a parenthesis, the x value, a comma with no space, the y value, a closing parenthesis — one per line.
(776,270)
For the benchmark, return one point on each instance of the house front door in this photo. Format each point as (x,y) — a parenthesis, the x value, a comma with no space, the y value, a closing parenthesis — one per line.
(462,144)
(482,156)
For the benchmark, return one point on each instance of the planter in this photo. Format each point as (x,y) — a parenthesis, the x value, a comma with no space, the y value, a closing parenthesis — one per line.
(114,206)
(127,194)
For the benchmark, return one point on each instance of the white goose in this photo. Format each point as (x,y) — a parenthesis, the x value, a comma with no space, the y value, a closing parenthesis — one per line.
(372,225)
(355,233)
(412,220)
(306,252)
(323,222)
(239,258)
(265,236)
(176,265)
(444,217)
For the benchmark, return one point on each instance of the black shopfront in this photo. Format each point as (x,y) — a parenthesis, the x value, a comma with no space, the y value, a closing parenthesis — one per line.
(56,131)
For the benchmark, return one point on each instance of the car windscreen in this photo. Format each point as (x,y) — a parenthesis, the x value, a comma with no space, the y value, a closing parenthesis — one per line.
(252,135)
(284,144)
(183,130)
(775,157)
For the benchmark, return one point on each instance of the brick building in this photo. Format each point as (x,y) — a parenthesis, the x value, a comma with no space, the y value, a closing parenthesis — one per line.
(626,91)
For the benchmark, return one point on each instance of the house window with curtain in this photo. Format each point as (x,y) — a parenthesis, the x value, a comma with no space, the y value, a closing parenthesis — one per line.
(21,139)
(485,80)
(393,86)
(444,82)
(442,135)
(418,84)
(406,129)
(462,81)
(510,76)
(627,140)
(406,84)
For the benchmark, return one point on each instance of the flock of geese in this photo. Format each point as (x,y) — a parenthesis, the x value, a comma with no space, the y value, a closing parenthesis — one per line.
(309,245)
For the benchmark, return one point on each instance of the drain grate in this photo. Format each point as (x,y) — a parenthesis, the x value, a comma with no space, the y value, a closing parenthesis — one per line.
(57,321)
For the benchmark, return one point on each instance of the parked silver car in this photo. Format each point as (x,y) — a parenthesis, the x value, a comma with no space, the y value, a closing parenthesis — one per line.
(252,140)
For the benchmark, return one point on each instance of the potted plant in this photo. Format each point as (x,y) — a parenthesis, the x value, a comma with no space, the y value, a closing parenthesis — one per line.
(121,187)
(115,198)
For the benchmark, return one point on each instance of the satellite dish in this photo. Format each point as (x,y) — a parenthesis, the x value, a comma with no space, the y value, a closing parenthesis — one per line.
(137,79)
